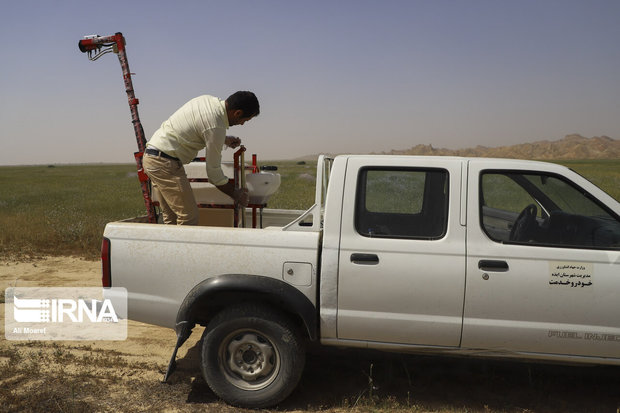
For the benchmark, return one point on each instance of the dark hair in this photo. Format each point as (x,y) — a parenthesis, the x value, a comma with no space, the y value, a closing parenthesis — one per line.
(245,101)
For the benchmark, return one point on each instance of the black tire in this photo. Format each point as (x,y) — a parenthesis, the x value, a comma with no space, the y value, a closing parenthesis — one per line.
(252,356)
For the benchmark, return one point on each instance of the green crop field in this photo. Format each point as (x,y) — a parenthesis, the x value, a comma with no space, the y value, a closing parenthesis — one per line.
(62,209)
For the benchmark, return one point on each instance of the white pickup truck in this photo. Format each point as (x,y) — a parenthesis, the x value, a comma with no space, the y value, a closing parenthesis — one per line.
(472,256)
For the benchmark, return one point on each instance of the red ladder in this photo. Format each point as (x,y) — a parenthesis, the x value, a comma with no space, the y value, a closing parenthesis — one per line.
(96,46)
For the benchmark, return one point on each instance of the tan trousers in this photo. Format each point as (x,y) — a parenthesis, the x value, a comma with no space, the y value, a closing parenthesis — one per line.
(176,198)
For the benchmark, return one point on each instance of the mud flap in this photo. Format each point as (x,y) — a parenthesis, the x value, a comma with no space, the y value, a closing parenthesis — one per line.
(184,332)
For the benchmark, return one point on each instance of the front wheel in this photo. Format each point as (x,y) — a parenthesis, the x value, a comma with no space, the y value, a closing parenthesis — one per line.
(252,356)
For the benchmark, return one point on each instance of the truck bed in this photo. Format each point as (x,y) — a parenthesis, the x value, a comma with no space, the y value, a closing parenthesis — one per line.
(190,255)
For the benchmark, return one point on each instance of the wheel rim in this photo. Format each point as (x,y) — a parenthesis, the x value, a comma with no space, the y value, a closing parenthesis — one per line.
(249,359)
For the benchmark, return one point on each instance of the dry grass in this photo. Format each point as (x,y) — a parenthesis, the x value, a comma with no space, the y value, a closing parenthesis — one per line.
(41,377)
(37,377)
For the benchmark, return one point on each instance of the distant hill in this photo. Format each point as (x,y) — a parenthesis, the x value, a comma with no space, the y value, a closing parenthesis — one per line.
(572,146)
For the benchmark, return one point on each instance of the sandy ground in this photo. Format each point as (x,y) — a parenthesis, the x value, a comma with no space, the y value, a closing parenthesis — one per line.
(127,368)
(150,343)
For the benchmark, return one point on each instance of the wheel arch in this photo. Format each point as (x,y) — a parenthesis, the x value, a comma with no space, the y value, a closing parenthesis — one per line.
(213,294)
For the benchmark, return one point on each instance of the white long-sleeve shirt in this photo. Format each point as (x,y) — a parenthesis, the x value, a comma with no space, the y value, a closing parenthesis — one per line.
(200,123)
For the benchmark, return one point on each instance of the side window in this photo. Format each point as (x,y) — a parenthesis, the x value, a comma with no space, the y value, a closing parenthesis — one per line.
(548,210)
(402,203)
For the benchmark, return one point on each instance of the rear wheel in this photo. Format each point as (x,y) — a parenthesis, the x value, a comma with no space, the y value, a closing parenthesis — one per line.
(252,356)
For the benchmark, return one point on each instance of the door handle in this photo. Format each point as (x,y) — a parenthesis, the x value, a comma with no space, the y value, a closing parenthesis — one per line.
(493,265)
(365,259)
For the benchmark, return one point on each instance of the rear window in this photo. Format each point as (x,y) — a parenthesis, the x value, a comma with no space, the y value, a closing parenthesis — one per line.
(402,203)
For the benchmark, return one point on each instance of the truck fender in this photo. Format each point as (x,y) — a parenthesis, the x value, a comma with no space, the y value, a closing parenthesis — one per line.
(224,289)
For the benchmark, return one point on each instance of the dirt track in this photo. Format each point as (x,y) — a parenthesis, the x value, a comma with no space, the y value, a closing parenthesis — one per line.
(105,375)
(126,375)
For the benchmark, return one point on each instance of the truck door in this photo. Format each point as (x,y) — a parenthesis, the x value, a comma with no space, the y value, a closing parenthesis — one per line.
(402,252)
(543,263)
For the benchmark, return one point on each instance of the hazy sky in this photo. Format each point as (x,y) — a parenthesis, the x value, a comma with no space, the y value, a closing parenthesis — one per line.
(331,76)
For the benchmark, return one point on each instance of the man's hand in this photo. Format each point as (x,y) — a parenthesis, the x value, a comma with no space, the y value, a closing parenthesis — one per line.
(241,196)
(232,141)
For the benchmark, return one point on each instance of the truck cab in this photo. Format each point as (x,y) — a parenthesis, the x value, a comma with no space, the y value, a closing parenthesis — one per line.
(491,255)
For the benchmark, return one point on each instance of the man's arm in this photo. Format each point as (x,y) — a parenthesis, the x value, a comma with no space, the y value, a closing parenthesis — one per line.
(215,139)
(240,195)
